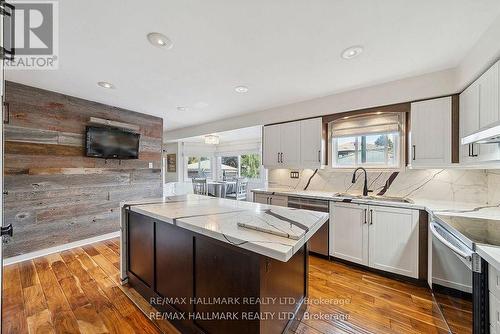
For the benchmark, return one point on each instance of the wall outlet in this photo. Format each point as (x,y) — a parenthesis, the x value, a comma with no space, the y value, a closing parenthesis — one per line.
(150,165)
(294,175)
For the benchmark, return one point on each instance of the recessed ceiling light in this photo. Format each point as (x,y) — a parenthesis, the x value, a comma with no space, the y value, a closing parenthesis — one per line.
(160,40)
(352,52)
(105,84)
(345,117)
(241,89)
(182,108)
(379,112)
(201,105)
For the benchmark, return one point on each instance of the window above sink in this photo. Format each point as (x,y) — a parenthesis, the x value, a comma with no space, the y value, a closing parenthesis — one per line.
(370,141)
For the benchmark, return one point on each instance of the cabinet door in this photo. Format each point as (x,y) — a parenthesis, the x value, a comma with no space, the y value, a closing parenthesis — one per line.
(430,138)
(141,247)
(290,144)
(271,145)
(469,121)
(261,198)
(223,272)
(310,142)
(278,200)
(488,97)
(174,264)
(393,240)
(349,232)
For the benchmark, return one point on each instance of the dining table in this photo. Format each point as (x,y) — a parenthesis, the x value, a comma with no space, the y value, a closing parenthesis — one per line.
(221,188)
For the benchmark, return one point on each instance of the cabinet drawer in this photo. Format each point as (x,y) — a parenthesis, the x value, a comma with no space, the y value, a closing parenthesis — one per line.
(494,281)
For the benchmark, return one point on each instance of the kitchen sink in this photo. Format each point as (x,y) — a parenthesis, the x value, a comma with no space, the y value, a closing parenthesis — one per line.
(376,198)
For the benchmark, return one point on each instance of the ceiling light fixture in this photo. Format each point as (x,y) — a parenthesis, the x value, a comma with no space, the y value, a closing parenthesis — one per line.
(241,89)
(345,117)
(212,140)
(105,84)
(182,108)
(160,40)
(352,52)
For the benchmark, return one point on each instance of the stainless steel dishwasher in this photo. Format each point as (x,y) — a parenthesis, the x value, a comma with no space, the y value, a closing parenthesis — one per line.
(318,243)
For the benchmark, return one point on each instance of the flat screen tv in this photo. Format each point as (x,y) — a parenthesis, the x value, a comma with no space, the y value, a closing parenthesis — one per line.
(111,143)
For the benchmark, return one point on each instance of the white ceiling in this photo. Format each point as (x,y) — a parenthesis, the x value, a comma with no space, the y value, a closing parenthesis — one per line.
(284,51)
(244,134)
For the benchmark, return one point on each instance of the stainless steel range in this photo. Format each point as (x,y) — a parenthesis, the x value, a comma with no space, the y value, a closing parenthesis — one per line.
(459,274)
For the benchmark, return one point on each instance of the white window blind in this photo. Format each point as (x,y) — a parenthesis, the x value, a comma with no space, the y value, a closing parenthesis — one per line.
(366,125)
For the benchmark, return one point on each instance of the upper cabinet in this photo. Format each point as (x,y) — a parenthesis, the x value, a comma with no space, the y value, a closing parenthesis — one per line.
(480,108)
(430,135)
(293,144)
(488,97)
(311,142)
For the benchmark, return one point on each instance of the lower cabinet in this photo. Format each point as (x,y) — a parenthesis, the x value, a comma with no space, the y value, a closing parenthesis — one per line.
(380,237)
(277,200)
(393,240)
(494,299)
(141,248)
(349,232)
(174,265)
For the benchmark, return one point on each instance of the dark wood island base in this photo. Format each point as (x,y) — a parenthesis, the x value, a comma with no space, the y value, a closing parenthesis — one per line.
(203,285)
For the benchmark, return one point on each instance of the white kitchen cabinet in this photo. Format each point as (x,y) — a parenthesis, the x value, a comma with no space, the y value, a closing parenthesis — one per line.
(271,145)
(480,108)
(294,144)
(430,135)
(469,122)
(290,144)
(488,97)
(271,199)
(393,240)
(311,142)
(380,237)
(349,232)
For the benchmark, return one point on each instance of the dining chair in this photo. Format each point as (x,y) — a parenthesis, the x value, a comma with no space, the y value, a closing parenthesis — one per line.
(241,190)
(200,187)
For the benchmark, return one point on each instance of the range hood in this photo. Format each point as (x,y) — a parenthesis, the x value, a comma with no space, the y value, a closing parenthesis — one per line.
(487,135)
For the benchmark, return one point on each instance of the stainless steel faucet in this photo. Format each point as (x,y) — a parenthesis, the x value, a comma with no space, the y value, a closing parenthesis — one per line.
(365,186)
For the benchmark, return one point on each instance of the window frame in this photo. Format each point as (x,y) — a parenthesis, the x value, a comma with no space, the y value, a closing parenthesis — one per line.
(398,144)
(238,154)
(186,163)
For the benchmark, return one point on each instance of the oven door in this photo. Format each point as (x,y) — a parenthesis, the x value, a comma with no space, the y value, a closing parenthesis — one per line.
(459,283)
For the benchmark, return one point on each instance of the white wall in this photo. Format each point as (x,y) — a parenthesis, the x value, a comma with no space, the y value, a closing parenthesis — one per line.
(415,88)
(173,148)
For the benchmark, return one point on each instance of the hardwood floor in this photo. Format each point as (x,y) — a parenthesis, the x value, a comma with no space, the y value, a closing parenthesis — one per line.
(78,291)
(75,291)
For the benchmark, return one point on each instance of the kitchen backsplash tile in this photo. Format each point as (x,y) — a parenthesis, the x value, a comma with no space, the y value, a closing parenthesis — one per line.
(457,185)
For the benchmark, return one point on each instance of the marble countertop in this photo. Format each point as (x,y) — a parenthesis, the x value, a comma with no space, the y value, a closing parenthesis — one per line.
(219,219)
(463,209)
(491,253)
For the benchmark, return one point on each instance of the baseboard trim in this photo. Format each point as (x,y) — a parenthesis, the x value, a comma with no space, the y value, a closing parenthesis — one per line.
(60,248)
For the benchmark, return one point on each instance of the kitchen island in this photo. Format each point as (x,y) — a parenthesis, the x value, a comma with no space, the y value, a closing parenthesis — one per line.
(212,265)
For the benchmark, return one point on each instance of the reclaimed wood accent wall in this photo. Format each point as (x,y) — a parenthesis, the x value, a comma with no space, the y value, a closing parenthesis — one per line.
(55,194)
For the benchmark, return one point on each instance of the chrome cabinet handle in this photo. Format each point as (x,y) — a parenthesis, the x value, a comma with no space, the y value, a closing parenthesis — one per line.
(319,156)
(413,154)
(371,217)
(366,214)
(278,157)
